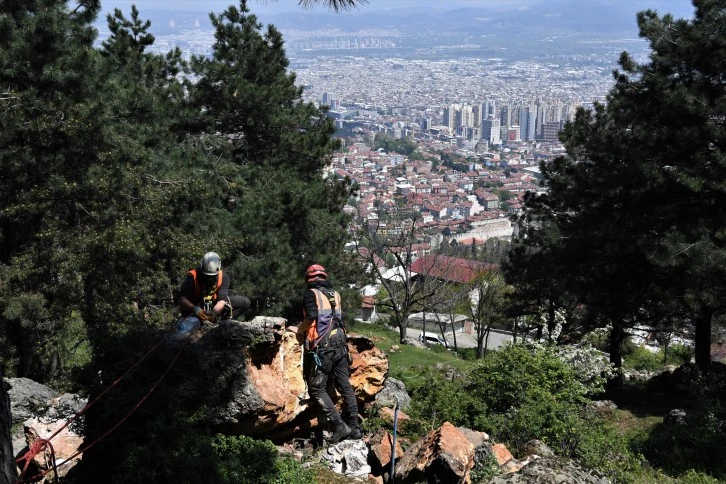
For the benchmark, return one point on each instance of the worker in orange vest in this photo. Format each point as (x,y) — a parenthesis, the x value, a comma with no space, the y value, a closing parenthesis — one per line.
(205,292)
(326,354)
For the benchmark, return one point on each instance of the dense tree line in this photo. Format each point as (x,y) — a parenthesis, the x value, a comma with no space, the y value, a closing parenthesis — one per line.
(121,167)
(630,231)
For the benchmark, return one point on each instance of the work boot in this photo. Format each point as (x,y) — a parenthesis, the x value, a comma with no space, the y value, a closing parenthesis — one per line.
(341,431)
(355,433)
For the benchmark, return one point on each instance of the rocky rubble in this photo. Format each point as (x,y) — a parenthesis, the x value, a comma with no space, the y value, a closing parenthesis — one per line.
(42,411)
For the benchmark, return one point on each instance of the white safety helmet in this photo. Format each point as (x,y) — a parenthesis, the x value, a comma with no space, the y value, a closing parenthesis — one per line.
(211,264)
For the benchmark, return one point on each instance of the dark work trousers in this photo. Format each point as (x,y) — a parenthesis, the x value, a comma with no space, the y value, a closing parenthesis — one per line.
(334,375)
(235,306)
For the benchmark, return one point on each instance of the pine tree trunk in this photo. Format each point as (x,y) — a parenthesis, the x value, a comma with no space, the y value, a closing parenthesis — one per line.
(7,462)
(617,335)
(703,340)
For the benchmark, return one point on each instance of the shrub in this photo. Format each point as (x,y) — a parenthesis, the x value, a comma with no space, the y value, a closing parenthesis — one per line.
(442,400)
(640,358)
(179,448)
(505,378)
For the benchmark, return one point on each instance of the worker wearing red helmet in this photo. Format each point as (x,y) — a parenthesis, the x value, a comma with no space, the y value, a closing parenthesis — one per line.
(326,354)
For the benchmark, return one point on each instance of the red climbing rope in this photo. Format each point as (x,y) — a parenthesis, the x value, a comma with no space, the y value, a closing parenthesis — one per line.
(36,448)
(40,444)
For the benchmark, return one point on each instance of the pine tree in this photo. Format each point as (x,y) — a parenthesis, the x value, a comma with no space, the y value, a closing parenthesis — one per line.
(285,215)
(49,125)
(638,237)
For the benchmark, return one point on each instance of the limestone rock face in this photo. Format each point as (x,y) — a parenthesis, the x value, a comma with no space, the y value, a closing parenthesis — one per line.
(369,368)
(249,375)
(28,398)
(444,455)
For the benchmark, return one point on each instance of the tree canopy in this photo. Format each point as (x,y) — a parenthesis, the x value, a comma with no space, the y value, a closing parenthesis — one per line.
(628,227)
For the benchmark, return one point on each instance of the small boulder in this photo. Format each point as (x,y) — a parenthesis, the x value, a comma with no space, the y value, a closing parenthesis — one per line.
(444,455)
(349,458)
(537,448)
(380,456)
(675,417)
(393,390)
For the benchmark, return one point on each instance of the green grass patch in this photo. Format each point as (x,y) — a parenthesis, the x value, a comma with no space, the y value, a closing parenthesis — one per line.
(409,363)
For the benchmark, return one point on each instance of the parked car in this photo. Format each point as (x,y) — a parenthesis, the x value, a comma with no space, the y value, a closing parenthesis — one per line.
(431,338)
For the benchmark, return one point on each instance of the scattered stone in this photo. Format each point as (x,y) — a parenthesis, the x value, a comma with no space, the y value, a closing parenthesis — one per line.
(601,407)
(393,390)
(501,453)
(444,455)
(348,458)
(380,456)
(552,470)
(537,448)
(675,417)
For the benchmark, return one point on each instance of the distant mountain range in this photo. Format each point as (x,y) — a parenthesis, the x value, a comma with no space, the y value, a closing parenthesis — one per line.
(557,16)
(553,26)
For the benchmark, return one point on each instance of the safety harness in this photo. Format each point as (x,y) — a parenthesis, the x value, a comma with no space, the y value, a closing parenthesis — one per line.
(210,297)
(326,325)
(328,322)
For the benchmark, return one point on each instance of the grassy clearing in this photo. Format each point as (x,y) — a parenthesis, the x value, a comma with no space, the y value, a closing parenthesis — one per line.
(409,363)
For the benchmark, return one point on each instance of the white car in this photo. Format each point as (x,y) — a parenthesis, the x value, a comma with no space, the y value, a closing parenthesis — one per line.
(431,338)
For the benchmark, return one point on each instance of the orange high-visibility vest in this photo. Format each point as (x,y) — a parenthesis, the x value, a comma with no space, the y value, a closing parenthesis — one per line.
(212,295)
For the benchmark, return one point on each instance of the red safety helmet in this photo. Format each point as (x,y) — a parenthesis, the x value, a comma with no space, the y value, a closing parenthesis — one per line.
(315,270)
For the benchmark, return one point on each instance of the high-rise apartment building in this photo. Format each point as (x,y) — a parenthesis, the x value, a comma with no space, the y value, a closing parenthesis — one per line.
(491,130)
(450,115)
(528,122)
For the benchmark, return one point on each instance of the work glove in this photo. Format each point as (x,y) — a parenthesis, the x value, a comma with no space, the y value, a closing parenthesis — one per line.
(211,316)
(199,312)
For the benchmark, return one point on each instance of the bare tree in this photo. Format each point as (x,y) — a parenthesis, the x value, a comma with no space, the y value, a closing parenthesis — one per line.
(488,291)
(402,292)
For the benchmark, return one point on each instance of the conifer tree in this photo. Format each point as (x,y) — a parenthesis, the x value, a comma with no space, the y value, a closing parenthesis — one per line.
(633,202)
(284,215)
(50,121)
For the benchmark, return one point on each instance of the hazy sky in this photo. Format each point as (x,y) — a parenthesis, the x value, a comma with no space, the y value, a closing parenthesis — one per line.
(262,7)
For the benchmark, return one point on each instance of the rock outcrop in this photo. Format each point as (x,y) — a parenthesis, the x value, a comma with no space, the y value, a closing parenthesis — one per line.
(248,374)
